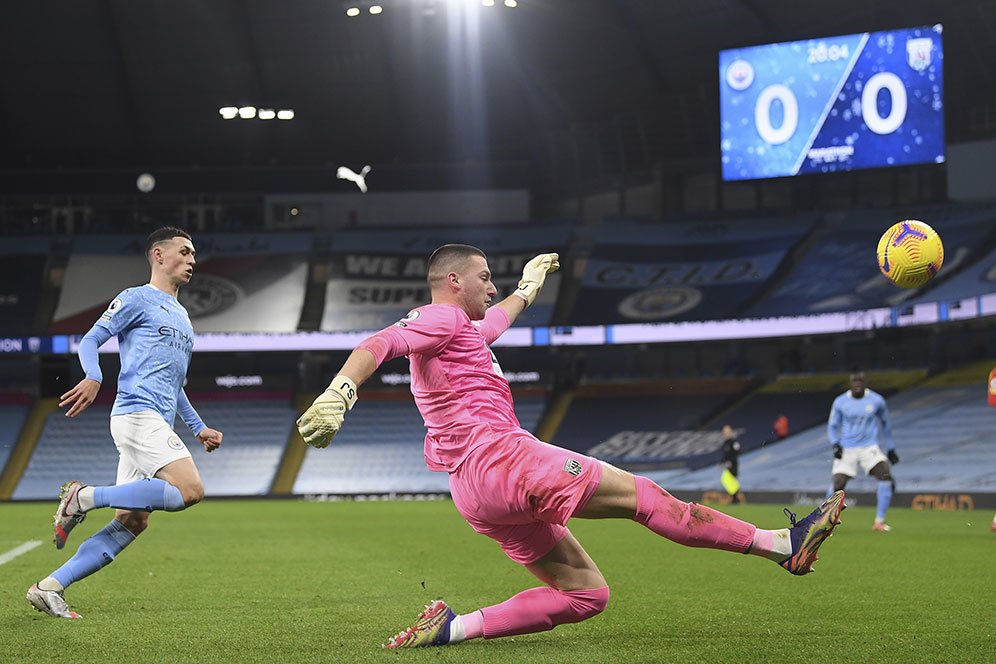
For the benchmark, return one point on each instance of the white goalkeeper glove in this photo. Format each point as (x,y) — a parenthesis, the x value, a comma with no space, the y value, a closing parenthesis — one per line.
(534,274)
(322,421)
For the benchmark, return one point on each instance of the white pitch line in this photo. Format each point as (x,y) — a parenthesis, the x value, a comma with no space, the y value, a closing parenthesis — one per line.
(19,551)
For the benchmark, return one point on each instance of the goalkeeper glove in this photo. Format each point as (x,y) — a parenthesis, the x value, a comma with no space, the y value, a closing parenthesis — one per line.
(534,274)
(322,421)
(893,457)
(838,451)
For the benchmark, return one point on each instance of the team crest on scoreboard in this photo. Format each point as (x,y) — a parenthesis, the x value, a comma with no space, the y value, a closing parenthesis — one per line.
(919,52)
(739,75)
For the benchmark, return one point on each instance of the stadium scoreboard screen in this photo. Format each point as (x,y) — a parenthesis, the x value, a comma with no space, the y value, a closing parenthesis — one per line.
(834,104)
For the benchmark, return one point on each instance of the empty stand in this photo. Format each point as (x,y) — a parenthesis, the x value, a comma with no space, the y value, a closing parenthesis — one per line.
(627,410)
(838,271)
(81,448)
(256,433)
(11,420)
(380,450)
(945,438)
(70,448)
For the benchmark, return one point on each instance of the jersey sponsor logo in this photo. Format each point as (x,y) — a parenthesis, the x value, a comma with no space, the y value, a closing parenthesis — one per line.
(112,308)
(869,408)
(573,467)
(175,442)
(182,339)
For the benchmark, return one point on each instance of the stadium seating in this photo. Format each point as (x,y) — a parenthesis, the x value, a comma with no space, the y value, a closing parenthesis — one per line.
(604,412)
(11,420)
(256,433)
(655,272)
(804,400)
(943,435)
(78,448)
(837,272)
(380,450)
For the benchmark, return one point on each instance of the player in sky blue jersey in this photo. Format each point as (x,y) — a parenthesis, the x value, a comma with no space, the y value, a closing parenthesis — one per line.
(856,418)
(155,470)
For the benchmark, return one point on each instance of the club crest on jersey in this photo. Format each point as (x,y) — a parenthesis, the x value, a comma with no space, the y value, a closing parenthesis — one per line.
(409,317)
(869,408)
(573,467)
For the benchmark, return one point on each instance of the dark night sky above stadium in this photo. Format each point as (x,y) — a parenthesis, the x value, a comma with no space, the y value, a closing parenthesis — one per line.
(125,83)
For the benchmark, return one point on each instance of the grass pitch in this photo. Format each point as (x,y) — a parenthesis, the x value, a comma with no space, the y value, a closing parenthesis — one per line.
(286,581)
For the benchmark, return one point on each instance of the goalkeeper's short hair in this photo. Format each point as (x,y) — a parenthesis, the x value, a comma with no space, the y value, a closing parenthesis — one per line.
(449,258)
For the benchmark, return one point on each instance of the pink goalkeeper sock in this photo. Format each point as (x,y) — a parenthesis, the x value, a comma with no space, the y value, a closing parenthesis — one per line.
(688,523)
(541,609)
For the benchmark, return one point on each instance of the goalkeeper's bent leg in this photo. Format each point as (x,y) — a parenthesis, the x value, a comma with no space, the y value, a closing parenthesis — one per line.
(542,609)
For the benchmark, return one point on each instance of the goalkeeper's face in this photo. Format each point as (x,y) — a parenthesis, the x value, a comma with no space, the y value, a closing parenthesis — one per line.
(476,289)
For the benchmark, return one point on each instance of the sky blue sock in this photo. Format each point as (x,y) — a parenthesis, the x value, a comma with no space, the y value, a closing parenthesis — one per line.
(148,495)
(94,553)
(884,498)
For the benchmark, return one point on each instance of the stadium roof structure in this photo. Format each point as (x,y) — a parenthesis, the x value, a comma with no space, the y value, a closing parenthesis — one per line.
(90,84)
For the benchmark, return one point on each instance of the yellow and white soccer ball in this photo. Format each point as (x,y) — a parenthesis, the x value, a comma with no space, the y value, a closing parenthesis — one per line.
(910,253)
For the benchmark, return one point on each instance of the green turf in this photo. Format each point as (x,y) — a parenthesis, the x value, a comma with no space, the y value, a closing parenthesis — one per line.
(282,581)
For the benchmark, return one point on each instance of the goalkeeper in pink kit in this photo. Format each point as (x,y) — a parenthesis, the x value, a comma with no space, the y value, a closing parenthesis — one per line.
(511,486)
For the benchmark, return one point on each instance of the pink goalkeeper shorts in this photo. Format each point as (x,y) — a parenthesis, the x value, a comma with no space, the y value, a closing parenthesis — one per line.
(521,492)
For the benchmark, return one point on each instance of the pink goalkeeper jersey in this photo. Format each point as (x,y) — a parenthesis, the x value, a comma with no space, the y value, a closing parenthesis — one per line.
(456,380)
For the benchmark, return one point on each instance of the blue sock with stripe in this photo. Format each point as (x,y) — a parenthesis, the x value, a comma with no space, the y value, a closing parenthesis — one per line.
(147,495)
(94,553)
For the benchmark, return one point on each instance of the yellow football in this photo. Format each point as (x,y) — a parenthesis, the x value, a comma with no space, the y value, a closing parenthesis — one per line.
(910,253)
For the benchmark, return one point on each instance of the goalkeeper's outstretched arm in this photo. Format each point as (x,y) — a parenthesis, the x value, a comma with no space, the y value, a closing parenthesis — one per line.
(533,277)
(322,421)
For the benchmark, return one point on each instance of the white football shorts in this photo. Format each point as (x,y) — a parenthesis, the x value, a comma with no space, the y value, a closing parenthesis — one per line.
(867,457)
(145,444)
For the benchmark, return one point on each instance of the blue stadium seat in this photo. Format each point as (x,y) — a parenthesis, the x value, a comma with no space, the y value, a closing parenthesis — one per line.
(380,450)
(11,420)
(256,434)
(944,436)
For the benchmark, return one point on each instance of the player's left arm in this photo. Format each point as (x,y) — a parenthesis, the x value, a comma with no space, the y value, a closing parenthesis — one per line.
(209,438)
(83,394)
(890,446)
(533,277)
